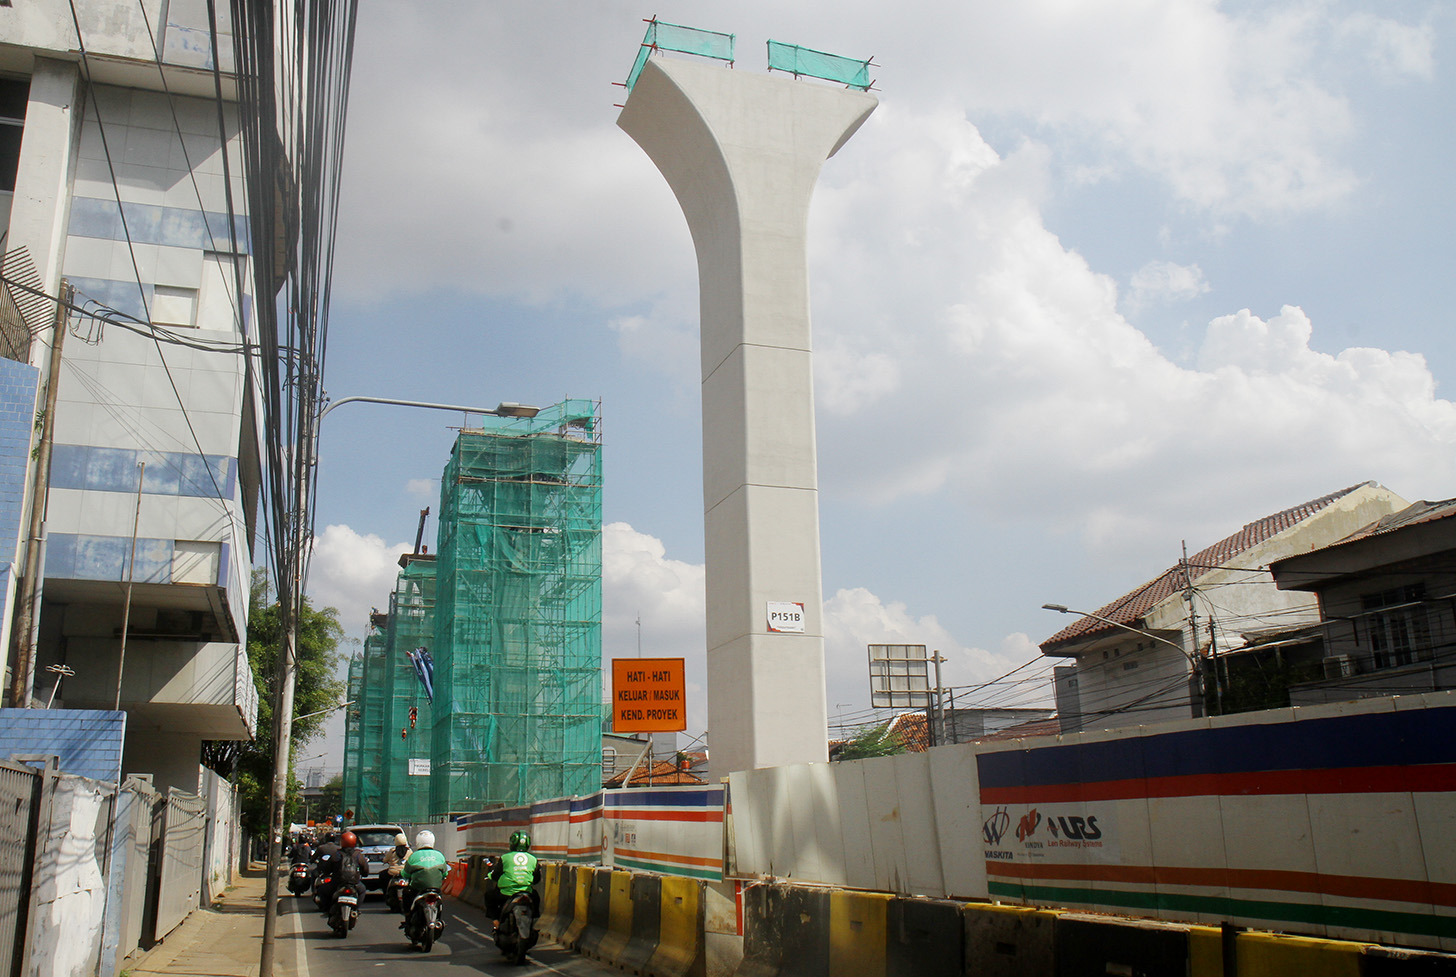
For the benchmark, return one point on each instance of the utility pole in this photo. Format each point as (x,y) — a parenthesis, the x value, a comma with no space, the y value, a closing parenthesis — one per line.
(22,681)
(130,579)
(1193,620)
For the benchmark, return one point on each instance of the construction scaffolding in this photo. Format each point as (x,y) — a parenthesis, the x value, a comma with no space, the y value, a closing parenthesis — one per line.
(406,759)
(517,656)
(371,705)
(352,768)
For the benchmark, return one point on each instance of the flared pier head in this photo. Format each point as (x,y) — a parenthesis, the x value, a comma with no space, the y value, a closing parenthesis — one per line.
(742,152)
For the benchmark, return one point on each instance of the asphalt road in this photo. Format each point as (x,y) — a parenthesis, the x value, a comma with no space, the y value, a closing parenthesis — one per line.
(377,945)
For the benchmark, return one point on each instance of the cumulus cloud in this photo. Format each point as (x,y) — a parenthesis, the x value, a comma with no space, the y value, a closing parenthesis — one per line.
(1164,282)
(353,573)
(1396,51)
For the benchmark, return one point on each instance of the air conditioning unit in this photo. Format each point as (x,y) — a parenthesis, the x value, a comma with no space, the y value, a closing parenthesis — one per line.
(1340,666)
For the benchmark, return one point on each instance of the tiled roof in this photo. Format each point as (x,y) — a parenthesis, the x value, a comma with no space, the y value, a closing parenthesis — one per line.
(1134,604)
(1412,515)
(664,773)
(1032,727)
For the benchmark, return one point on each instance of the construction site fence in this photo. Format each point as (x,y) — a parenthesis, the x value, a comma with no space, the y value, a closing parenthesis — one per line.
(1310,820)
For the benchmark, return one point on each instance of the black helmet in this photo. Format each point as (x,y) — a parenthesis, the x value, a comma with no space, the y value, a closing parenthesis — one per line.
(520,841)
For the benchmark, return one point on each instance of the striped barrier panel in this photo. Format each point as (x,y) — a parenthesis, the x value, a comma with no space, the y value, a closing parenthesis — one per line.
(558,905)
(785,931)
(1009,941)
(645,923)
(857,933)
(924,938)
(681,936)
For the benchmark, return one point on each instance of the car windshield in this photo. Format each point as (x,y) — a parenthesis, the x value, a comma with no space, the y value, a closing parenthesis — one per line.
(375,839)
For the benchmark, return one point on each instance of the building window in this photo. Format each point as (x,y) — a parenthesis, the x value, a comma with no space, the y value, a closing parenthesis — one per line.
(13,96)
(609,761)
(1396,625)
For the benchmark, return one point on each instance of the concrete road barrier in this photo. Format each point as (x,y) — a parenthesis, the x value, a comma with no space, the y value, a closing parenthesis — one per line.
(681,935)
(1008,941)
(924,938)
(785,931)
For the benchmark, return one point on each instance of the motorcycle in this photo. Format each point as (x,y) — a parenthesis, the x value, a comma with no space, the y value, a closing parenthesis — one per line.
(344,911)
(423,924)
(515,931)
(394,890)
(300,877)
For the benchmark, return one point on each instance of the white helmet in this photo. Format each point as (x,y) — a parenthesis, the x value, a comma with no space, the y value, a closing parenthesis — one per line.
(425,839)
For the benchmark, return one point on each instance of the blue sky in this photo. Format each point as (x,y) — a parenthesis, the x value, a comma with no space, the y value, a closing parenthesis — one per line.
(1094,279)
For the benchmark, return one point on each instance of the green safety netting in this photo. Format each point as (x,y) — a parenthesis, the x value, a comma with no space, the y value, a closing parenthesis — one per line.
(408,746)
(510,611)
(351,734)
(817,64)
(685,40)
(518,613)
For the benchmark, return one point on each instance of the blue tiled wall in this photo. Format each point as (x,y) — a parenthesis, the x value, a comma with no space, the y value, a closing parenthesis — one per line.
(102,469)
(88,741)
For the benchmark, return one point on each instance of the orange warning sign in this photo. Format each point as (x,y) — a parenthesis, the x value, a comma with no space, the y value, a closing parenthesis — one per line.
(648,695)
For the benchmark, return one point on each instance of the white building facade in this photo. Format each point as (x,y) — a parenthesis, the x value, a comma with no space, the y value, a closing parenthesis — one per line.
(121,188)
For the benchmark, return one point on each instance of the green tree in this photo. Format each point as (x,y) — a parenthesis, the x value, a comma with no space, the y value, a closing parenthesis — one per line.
(874,741)
(250,764)
(331,798)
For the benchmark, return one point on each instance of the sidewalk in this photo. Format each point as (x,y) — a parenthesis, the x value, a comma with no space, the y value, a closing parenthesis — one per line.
(223,941)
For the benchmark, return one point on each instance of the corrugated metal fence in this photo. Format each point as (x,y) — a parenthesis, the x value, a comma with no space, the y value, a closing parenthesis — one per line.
(183,839)
(21,802)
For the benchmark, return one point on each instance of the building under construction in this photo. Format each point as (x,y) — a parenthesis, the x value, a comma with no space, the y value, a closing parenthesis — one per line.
(484,680)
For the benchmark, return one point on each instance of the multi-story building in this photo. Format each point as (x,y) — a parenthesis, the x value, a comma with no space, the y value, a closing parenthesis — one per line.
(126,182)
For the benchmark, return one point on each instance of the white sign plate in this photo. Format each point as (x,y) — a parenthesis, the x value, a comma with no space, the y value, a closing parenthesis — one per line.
(419,766)
(786,616)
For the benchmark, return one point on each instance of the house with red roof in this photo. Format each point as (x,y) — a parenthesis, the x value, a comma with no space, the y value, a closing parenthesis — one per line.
(1387,601)
(1152,655)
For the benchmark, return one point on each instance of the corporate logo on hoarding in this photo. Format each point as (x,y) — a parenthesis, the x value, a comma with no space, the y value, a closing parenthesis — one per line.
(1075,829)
(994,828)
(1039,832)
(1027,827)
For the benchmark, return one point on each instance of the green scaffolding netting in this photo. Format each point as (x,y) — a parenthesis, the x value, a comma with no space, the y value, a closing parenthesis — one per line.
(817,64)
(685,40)
(510,610)
(518,613)
(350,793)
(370,704)
(405,763)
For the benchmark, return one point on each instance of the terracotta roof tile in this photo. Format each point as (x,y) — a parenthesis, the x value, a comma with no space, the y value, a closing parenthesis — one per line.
(1134,604)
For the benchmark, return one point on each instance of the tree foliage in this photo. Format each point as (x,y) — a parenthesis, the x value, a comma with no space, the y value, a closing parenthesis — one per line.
(250,764)
(874,741)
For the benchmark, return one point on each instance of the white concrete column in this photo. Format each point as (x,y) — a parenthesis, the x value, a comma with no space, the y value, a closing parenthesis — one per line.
(742,153)
(42,202)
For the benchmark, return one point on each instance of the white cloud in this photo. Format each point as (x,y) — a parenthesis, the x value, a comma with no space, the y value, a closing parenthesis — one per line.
(1396,51)
(1165,282)
(353,573)
(424,489)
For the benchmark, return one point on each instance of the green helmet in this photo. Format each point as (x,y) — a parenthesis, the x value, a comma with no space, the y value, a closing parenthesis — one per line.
(520,841)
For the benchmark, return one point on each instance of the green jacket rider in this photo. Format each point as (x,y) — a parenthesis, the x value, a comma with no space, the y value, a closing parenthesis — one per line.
(425,868)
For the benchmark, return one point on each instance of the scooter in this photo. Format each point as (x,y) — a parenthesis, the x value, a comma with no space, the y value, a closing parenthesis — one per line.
(300,877)
(345,910)
(394,890)
(515,931)
(423,924)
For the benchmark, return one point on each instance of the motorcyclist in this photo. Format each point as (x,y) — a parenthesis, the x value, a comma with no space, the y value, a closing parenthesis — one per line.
(424,869)
(394,859)
(346,865)
(515,871)
(301,852)
(326,849)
